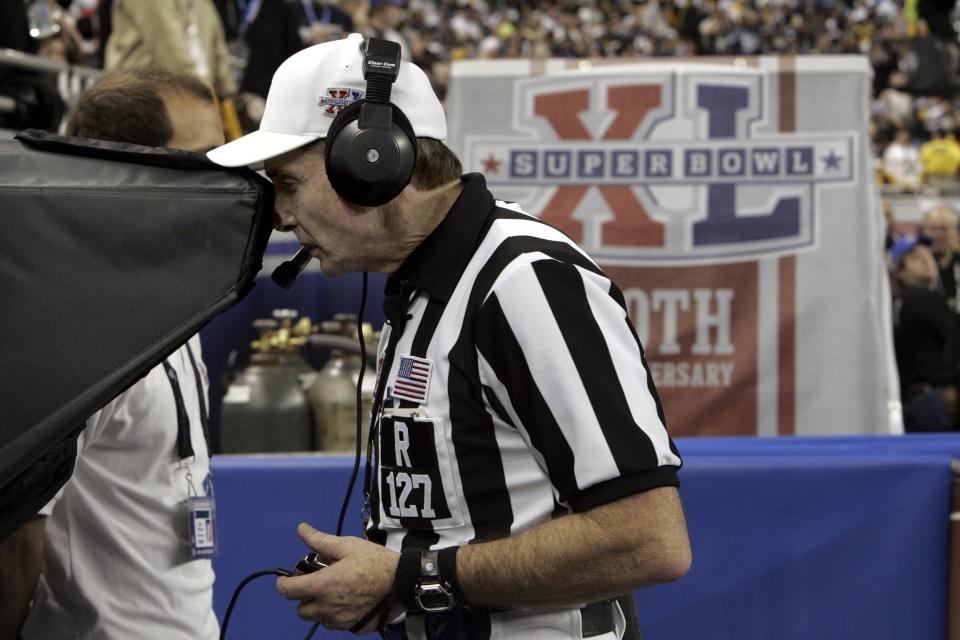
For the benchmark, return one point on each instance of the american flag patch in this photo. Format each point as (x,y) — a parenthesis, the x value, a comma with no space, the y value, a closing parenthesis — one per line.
(413,379)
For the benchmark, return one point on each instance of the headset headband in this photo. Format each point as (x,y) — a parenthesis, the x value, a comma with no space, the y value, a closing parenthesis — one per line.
(381,66)
(371,148)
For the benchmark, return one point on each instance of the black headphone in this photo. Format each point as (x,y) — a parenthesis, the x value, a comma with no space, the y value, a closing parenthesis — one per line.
(371,148)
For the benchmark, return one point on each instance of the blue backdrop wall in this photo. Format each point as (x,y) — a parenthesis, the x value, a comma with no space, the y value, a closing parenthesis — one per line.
(793,538)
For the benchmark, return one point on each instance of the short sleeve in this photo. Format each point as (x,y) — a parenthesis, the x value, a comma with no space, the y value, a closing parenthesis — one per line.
(562,353)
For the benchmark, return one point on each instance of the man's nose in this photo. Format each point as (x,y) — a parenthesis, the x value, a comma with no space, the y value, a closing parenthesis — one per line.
(283,221)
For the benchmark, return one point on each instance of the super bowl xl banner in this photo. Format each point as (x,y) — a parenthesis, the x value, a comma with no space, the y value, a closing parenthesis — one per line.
(732,200)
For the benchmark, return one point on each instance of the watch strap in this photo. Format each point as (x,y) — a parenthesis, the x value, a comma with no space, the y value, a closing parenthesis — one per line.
(407,578)
(447,566)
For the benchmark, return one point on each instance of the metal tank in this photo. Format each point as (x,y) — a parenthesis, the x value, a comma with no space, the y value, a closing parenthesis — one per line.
(333,394)
(265,408)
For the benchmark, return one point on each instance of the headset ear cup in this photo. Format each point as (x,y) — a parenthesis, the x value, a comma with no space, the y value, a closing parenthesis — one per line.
(348,150)
(348,114)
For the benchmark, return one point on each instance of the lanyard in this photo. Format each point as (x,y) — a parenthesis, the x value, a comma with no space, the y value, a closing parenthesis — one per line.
(184,441)
(249,13)
(397,324)
(308,9)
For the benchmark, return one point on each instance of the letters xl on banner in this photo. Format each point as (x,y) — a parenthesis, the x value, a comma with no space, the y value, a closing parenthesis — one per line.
(732,202)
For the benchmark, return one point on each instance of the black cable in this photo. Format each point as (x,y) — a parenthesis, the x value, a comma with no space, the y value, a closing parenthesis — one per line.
(363,367)
(236,594)
(356,458)
(353,475)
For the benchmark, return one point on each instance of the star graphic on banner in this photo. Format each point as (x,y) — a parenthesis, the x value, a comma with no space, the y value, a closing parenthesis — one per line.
(832,160)
(491,164)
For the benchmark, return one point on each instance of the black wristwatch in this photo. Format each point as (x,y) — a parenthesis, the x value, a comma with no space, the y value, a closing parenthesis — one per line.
(432,594)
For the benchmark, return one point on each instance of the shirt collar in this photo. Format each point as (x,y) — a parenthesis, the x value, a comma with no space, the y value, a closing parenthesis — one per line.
(436,264)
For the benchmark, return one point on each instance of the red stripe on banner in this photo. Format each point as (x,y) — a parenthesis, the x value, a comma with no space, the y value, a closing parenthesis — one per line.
(787,347)
(788,100)
(787,303)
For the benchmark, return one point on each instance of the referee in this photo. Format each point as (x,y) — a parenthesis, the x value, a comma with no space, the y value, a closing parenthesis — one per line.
(523,477)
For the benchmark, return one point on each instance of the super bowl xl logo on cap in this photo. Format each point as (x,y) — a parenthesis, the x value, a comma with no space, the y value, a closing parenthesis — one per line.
(337,99)
(664,167)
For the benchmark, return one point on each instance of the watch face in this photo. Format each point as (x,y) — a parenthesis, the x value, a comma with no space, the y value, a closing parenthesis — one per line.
(433,596)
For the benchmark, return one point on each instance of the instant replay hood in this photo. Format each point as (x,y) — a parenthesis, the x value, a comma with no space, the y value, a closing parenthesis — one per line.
(111,257)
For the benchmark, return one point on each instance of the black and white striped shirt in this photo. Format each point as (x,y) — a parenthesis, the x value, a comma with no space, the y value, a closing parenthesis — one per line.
(516,388)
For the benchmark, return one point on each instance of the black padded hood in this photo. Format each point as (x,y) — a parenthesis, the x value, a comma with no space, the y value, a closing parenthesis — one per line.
(111,257)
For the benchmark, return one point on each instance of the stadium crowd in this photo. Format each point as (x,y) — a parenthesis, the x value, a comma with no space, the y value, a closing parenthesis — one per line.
(915,114)
(913,48)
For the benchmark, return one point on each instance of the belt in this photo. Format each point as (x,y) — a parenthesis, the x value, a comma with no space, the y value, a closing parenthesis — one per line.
(597,619)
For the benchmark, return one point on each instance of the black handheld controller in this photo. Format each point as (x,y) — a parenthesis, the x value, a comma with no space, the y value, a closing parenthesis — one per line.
(312,562)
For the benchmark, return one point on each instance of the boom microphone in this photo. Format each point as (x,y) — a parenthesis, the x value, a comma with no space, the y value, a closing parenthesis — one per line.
(287,272)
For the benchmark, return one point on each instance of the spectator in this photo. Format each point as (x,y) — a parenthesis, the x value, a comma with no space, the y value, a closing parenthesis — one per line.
(57,27)
(901,162)
(322,21)
(267,34)
(14,29)
(925,342)
(384,19)
(895,243)
(59,48)
(176,35)
(940,157)
(940,227)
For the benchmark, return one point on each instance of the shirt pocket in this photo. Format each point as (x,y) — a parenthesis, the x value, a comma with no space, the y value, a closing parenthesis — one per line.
(418,489)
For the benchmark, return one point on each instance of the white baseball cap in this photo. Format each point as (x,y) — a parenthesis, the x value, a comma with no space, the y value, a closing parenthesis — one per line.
(312,86)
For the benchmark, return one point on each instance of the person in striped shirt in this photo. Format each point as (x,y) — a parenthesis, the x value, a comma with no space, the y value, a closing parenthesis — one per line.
(522,478)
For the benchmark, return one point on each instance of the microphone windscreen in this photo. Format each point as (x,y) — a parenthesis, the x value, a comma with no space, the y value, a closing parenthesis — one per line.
(287,272)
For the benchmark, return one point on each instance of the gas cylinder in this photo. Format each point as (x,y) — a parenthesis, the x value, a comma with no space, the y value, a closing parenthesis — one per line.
(355,362)
(333,395)
(265,408)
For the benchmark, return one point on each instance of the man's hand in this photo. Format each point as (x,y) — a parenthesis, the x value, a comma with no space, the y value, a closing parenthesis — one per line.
(339,596)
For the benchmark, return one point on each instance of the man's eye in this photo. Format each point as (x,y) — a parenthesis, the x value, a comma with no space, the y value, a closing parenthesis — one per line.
(285,186)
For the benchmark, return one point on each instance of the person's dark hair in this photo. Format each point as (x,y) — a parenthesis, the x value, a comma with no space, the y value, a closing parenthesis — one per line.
(127,106)
(436,163)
